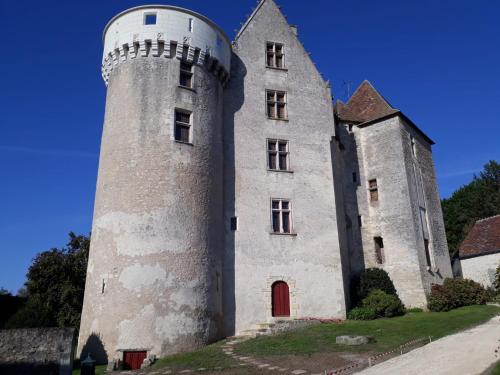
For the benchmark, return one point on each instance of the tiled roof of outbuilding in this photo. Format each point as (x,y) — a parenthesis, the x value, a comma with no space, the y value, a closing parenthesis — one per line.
(483,238)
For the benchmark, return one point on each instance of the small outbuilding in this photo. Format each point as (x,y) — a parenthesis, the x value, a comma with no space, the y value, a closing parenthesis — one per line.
(480,251)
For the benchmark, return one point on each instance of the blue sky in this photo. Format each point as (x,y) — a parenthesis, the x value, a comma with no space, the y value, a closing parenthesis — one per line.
(438,61)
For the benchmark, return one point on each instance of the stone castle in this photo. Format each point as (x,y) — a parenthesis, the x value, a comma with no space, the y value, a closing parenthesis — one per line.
(232,191)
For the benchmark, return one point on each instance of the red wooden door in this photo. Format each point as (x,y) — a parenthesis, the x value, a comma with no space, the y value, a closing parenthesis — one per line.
(281,299)
(133,360)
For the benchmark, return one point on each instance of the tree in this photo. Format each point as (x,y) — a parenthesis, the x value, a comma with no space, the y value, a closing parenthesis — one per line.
(477,200)
(55,286)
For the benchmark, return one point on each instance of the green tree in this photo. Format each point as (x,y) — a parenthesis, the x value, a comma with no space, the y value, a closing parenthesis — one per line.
(477,200)
(55,286)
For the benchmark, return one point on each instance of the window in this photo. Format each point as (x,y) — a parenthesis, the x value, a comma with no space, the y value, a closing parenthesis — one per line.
(373,188)
(354,177)
(275,58)
(186,75)
(150,19)
(379,250)
(427,253)
(234,223)
(182,126)
(281,216)
(276,104)
(277,152)
(360,221)
(190,25)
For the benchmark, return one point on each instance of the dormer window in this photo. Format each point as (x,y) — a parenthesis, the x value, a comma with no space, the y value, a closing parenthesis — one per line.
(275,55)
(150,19)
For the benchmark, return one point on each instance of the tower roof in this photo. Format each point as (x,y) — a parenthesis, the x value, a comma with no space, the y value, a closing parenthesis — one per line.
(366,104)
(366,107)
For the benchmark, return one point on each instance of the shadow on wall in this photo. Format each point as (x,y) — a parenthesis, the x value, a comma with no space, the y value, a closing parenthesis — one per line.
(233,100)
(95,348)
(27,368)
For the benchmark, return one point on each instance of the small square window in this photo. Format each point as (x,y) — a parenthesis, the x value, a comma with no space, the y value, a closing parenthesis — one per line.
(150,19)
(186,75)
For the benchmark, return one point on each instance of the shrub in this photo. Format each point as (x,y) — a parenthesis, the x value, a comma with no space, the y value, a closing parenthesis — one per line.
(415,310)
(371,279)
(384,305)
(496,283)
(362,313)
(456,293)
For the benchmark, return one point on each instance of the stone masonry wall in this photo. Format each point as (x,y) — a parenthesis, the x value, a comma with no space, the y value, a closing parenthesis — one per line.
(37,351)
(481,269)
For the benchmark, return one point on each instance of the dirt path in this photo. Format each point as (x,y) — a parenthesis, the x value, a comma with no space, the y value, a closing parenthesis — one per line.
(466,353)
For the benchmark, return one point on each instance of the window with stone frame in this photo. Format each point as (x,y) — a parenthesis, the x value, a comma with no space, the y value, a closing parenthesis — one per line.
(373,189)
(278,155)
(379,250)
(186,75)
(275,55)
(276,103)
(427,253)
(182,131)
(281,214)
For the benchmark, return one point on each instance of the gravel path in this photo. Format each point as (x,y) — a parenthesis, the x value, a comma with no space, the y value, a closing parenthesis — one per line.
(466,353)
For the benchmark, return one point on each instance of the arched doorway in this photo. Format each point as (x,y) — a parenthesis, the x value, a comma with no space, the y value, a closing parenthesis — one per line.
(280,299)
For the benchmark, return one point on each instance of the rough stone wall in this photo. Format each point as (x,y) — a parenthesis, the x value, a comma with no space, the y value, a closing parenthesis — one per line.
(37,351)
(310,261)
(481,268)
(381,156)
(424,194)
(154,273)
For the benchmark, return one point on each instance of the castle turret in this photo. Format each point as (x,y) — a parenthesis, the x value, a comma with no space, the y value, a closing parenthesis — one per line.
(154,274)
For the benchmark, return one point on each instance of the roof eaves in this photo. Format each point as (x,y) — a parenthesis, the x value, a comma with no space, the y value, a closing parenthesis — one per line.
(397,112)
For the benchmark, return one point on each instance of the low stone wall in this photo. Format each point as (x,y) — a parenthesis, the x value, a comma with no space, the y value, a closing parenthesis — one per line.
(280,326)
(37,351)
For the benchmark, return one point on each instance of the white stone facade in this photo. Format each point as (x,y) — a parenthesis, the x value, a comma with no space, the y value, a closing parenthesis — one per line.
(481,268)
(183,248)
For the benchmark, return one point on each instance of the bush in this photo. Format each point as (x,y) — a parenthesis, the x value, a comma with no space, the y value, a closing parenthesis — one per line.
(496,283)
(362,313)
(415,310)
(456,293)
(384,305)
(371,279)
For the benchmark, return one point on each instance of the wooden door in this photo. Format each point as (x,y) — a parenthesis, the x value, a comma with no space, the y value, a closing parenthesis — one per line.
(133,360)
(280,299)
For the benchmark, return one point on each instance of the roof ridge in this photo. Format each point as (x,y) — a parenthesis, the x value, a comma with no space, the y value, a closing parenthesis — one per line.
(487,218)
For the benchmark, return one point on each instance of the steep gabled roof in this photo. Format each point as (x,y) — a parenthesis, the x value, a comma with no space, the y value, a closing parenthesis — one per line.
(482,239)
(364,105)
(367,107)
(244,26)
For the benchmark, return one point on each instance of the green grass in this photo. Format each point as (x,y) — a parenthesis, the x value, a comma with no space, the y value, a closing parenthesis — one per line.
(495,370)
(208,357)
(388,332)
(99,370)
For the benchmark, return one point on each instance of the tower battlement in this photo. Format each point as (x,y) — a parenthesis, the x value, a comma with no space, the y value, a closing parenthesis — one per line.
(167,32)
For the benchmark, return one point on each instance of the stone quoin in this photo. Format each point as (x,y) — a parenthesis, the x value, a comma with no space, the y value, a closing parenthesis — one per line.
(232,192)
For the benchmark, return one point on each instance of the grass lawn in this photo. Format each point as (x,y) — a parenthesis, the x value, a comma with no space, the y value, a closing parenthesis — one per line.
(99,370)
(495,370)
(208,357)
(388,332)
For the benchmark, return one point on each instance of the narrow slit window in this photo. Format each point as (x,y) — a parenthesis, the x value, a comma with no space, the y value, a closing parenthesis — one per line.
(275,56)
(354,177)
(373,189)
(427,253)
(360,221)
(276,105)
(190,25)
(150,19)
(278,155)
(413,146)
(379,250)
(281,216)
(186,75)
(182,126)
(234,223)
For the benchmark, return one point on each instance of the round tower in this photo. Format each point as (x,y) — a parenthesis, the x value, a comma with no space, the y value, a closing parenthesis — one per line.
(154,273)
